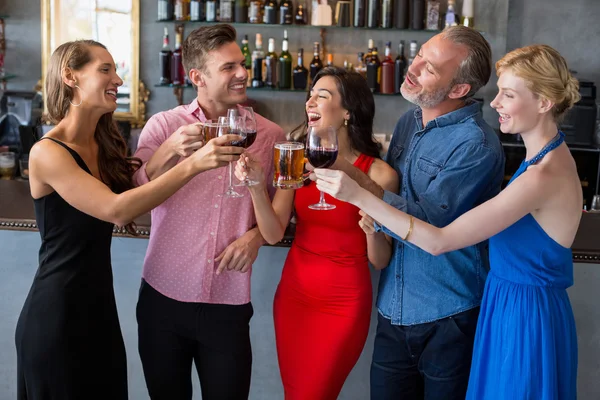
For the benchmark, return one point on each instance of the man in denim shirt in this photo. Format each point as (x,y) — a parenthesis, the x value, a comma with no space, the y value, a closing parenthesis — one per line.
(450,161)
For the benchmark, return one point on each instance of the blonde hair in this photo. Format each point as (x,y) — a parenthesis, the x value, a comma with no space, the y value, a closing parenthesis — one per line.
(546,73)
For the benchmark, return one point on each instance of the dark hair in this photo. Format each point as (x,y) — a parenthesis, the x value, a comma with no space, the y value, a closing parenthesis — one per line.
(357,98)
(203,40)
(116,169)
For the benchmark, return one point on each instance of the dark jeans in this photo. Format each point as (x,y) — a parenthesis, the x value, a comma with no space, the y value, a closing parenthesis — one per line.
(427,361)
(173,334)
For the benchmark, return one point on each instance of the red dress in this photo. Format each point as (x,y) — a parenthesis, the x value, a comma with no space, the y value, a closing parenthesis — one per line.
(322,307)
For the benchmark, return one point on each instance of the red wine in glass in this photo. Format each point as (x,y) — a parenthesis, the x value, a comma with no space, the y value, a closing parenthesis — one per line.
(322,158)
(248,139)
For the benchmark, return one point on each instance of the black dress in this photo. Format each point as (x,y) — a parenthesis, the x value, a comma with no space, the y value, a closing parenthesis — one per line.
(69,342)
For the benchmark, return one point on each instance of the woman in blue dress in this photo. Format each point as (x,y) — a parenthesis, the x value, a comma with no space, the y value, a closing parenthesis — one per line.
(526,345)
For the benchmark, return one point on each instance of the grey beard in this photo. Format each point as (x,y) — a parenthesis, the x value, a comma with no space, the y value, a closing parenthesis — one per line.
(426,99)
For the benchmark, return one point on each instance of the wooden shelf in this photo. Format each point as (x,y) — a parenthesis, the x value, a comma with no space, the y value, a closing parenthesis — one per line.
(267,89)
(295,26)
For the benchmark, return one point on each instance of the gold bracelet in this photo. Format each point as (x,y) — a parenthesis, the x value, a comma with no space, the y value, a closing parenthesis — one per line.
(410,228)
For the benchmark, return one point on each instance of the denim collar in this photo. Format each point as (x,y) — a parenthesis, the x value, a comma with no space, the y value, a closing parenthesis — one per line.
(471,109)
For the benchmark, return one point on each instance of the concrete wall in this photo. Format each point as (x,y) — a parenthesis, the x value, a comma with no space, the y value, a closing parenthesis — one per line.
(18,263)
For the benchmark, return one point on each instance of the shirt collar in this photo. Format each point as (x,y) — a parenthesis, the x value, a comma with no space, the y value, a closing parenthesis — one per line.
(194,109)
(471,108)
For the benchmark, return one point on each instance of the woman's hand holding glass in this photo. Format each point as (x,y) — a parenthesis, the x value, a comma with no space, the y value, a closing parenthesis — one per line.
(338,185)
(249,169)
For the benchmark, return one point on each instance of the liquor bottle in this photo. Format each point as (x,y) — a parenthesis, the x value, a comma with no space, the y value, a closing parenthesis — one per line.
(432,21)
(360,67)
(211,10)
(285,65)
(226,11)
(387,71)
(386,14)
(401,14)
(316,64)
(373,14)
(177,72)
(271,65)
(248,57)
(300,73)
(301,17)
(255,15)
(468,14)
(270,12)
(399,67)
(182,10)
(451,17)
(197,10)
(417,14)
(359,13)
(165,10)
(286,12)
(330,60)
(322,15)
(165,60)
(241,11)
(412,52)
(373,71)
(258,56)
(370,48)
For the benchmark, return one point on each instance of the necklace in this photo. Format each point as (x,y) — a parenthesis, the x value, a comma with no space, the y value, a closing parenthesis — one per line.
(552,144)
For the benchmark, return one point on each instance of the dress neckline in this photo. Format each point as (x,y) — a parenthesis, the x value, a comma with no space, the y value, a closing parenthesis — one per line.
(551,145)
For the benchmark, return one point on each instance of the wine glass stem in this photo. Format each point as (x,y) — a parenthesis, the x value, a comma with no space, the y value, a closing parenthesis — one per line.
(322,199)
(230,175)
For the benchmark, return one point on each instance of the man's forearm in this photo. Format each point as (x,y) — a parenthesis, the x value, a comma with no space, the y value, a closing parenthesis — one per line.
(161,161)
(362,179)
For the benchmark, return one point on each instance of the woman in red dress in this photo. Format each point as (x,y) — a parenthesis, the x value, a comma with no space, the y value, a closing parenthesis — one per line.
(323,303)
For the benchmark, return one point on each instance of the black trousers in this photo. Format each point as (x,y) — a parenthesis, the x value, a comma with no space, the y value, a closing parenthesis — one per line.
(215,337)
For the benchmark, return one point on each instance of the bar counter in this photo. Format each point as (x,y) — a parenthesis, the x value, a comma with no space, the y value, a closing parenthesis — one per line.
(16,213)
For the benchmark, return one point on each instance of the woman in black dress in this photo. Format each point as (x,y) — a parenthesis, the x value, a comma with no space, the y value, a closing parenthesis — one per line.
(69,343)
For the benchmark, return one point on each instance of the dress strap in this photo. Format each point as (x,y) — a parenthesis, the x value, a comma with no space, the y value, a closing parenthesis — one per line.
(364,162)
(75,155)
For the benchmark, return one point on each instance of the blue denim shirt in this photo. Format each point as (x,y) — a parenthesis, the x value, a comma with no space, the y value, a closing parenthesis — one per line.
(448,167)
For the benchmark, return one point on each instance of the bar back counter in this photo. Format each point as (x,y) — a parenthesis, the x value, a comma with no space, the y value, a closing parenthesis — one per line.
(19,245)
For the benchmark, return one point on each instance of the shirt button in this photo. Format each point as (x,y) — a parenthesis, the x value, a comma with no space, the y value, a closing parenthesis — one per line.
(209,260)
(397,276)
(220,177)
(216,206)
(212,234)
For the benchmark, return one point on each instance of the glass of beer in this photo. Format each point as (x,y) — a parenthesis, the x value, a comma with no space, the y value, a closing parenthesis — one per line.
(288,158)
(7,165)
(210,130)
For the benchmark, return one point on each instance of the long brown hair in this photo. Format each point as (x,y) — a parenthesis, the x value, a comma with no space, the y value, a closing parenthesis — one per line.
(116,169)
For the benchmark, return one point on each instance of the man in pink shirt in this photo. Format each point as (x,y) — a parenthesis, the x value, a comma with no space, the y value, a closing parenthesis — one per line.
(194,302)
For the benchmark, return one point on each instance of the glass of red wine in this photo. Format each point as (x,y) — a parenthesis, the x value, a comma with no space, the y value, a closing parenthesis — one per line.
(247,113)
(322,149)
(232,125)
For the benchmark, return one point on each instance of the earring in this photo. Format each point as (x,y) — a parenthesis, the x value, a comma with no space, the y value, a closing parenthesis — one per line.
(345,122)
(81,101)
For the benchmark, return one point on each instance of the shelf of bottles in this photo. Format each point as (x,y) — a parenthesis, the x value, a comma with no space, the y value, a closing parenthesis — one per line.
(402,15)
(268,70)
